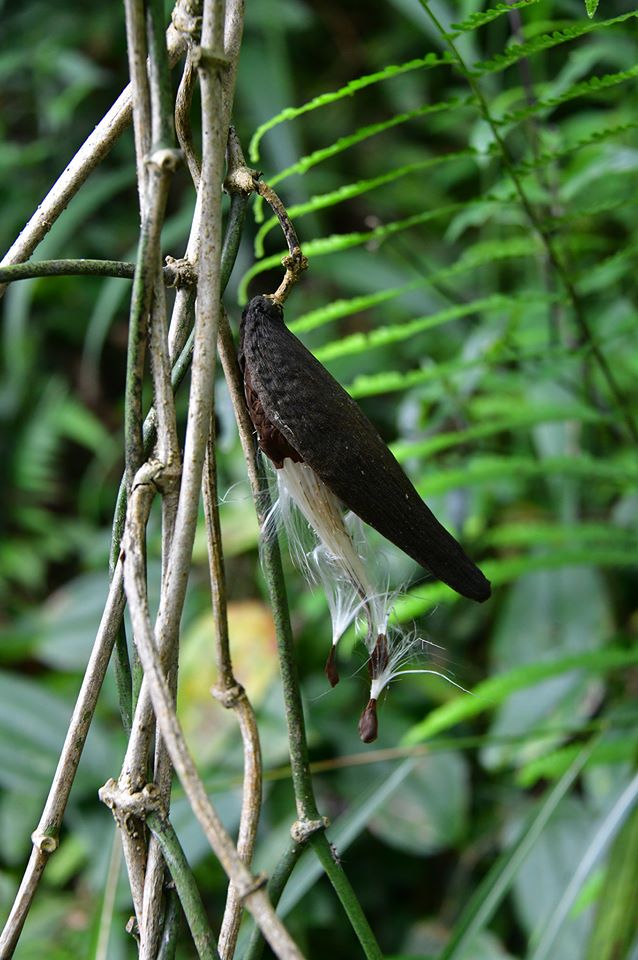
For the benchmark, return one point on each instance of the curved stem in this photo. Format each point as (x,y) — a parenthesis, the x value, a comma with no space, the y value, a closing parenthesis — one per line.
(182,875)
(233,696)
(300,768)
(183,127)
(276,886)
(250,887)
(45,836)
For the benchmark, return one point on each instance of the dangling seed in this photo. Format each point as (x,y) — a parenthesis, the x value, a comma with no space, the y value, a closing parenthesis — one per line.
(368,724)
(330,668)
(379,657)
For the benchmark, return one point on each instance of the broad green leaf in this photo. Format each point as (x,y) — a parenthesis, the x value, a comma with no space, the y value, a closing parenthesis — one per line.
(429,813)
(33,725)
(546,615)
(490,893)
(554,923)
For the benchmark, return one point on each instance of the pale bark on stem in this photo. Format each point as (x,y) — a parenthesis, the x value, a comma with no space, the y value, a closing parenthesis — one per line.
(214,134)
(136,51)
(142,727)
(159,168)
(157,160)
(168,450)
(45,836)
(250,887)
(208,214)
(183,128)
(173,274)
(232,696)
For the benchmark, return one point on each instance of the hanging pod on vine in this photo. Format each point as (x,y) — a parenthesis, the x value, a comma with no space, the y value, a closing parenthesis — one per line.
(327,454)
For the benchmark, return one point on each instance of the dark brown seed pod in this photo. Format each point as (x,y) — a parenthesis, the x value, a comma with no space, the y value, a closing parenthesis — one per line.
(300,411)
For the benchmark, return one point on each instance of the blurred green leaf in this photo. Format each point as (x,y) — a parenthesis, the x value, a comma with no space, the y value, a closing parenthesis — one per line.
(429,813)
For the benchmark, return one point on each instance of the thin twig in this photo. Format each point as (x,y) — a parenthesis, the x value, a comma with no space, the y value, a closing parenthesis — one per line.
(45,836)
(232,696)
(162,165)
(167,447)
(205,238)
(105,924)
(183,127)
(184,881)
(310,825)
(156,162)
(276,886)
(136,51)
(170,933)
(142,727)
(174,274)
(250,888)
(296,262)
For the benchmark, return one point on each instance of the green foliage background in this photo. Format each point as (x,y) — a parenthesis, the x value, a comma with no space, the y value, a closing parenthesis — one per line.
(433,296)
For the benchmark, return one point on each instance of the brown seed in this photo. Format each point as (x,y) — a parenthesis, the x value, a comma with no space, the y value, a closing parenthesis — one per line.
(330,668)
(368,724)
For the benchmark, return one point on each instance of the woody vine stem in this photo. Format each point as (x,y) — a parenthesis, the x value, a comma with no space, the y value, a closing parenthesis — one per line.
(210,36)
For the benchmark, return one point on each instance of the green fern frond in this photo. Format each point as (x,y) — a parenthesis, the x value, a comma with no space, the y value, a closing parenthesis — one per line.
(490,693)
(426,597)
(591,87)
(592,139)
(501,351)
(475,256)
(338,242)
(392,381)
(364,133)
(600,273)
(476,20)
(479,470)
(518,419)
(553,765)
(346,308)
(381,336)
(520,51)
(594,209)
(539,534)
(347,192)
(325,99)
